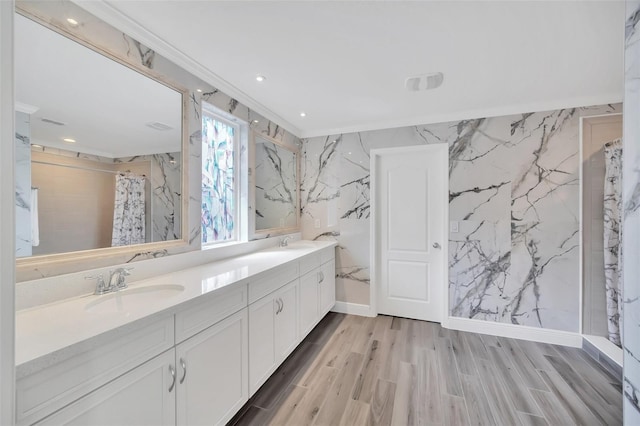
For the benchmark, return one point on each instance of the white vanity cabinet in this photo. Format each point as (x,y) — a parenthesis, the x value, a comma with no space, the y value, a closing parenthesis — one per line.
(193,363)
(202,381)
(143,396)
(44,391)
(273,332)
(327,287)
(309,303)
(211,373)
(190,368)
(317,288)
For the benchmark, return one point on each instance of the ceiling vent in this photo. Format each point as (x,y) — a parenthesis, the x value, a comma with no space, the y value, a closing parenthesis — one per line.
(424,82)
(159,126)
(50,121)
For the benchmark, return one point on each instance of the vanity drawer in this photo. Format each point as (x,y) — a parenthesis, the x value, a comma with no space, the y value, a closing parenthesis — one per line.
(48,390)
(310,262)
(272,280)
(205,314)
(328,254)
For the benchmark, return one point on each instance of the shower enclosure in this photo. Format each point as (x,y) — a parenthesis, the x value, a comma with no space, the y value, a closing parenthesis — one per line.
(601,152)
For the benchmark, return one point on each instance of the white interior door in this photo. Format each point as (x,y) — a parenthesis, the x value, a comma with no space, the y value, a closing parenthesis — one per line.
(410,227)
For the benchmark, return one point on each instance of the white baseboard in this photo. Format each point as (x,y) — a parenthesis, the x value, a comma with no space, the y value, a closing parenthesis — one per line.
(608,349)
(352,309)
(544,335)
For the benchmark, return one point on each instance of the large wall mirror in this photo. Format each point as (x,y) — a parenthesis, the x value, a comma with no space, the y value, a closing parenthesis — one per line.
(276,186)
(99,148)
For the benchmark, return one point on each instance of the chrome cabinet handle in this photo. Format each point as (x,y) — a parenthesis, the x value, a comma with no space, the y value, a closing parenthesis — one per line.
(173,376)
(184,369)
(278,309)
(281,305)
(436,245)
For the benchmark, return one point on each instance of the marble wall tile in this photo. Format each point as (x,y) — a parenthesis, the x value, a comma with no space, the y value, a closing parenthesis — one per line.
(23,185)
(276,192)
(631,217)
(513,188)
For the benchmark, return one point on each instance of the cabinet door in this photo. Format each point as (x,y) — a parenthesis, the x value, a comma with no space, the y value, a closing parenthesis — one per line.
(286,321)
(327,287)
(262,357)
(212,372)
(140,397)
(309,304)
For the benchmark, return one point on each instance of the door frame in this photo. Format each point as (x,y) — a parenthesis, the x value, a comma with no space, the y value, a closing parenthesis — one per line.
(581,262)
(440,150)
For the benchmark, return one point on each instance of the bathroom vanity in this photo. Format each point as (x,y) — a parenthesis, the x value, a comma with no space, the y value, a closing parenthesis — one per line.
(190,347)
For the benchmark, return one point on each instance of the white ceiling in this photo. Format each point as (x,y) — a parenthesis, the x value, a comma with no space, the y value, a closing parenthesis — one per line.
(344,62)
(105,106)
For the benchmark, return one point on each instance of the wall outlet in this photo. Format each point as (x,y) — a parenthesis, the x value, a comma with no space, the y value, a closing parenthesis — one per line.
(316,223)
(454,226)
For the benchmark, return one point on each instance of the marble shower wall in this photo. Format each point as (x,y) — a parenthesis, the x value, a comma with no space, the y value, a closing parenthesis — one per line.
(513,188)
(631,217)
(23,184)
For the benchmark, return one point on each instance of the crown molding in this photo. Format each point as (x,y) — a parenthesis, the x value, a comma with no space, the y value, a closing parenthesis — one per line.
(114,17)
(500,111)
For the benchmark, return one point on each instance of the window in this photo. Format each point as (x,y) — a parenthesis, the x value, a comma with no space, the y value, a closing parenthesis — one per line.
(220,198)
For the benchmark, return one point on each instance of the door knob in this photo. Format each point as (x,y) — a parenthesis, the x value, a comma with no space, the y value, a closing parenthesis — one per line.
(436,245)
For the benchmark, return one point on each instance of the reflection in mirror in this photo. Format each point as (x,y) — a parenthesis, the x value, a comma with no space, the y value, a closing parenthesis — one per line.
(98,149)
(276,184)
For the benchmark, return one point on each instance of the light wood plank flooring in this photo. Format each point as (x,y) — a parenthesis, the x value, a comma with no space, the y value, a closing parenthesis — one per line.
(367,371)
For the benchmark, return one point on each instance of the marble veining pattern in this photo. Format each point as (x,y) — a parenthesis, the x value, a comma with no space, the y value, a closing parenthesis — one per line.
(276,193)
(513,189)
(612,238)
(631,217)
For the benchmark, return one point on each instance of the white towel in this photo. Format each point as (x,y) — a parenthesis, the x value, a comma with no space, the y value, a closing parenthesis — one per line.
(35,229)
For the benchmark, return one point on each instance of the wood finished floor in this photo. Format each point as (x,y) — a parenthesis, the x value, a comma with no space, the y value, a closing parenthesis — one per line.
(394,371)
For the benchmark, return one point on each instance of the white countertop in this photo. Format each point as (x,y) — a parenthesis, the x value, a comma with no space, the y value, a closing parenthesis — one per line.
(48,333)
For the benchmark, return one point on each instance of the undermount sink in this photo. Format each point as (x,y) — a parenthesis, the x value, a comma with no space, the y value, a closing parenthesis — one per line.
(125,300)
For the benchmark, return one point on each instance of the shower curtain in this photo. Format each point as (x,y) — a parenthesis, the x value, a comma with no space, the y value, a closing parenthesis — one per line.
(128,211)
(613,238)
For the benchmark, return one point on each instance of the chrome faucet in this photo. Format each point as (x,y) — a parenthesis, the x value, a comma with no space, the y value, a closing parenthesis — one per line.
(101,286)
(284,242)
(117,279)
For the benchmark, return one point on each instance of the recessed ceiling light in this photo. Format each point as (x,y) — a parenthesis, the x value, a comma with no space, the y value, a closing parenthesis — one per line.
(35,145)
(199,90)
(255,121)
(303,114)
(172,161)
(69,140)
(72,22)
(260,78)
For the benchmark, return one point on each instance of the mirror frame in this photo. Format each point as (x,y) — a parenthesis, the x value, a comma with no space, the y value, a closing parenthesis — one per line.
(87,259)
(270,232)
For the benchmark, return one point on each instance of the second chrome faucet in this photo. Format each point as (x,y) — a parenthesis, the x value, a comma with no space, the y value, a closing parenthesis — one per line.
(117,281)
